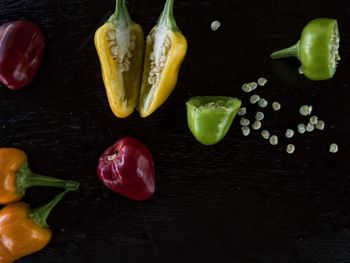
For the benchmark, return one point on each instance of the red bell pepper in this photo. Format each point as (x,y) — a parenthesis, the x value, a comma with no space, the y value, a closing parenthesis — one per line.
(22,46)
(127,168)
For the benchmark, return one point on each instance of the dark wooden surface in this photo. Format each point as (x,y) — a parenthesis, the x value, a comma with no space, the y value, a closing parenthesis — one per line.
(241,200)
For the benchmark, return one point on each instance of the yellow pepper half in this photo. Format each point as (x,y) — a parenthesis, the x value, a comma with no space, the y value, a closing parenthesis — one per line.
(166,48)
(120,45)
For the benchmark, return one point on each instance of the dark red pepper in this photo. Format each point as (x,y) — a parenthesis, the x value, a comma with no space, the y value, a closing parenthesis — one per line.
(22,46)
(127,168)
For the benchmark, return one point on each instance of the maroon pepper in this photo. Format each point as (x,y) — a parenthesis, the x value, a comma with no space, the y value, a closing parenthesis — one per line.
(127,168)
(22,46)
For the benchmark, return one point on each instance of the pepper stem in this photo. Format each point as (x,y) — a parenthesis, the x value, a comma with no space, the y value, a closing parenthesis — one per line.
(26,179)
(167,16)
(39,215)
(121,15)
(292,51)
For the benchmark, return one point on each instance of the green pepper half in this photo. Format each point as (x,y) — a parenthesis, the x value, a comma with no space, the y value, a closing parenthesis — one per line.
(210,117)
(317,49)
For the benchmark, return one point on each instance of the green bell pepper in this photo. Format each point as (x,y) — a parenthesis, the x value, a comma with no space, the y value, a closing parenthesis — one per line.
(209,117)
(317,49)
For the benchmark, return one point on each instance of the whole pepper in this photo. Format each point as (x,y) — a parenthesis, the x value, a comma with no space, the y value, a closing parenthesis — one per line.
(209,118)
(16,177)
(22,46)
(127,168)
(119,45)
(166,48)
(24,231)
(317,49)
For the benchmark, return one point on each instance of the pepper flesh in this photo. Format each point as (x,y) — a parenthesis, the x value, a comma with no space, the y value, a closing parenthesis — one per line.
(16,177)
(119,44)
(166,48)
(209,118)
(22,46)
(24,231)
(317,49)
(127,168)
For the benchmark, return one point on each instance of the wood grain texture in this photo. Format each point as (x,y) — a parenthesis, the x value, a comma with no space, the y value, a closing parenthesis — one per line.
(241,200)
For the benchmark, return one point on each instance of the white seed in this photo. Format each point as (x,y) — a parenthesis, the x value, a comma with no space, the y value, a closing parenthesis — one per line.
(314,120)
(254,99)
(132,37)
(111,35)
(301,71)
(333,148)
(126,66)
(111,157)
(215,25)
(242,111)
(114,50)
(310,110)
(310,127)
(132,45)
(301,128)
(246,88)
(256,125)
(151,56)
(152,80)
(129,54)
(289,133)
(244,122)
(304,110)
(245,131)
(290,148)
(262,103)
(273,140)
(162,58)
(253,85)
(276,106)
(265,134)
(148,40)
(262,81)
(259,116)
(320,125)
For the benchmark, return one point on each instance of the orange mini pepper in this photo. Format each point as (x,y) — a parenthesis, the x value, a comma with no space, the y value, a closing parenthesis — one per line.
(16,177)
(24,231)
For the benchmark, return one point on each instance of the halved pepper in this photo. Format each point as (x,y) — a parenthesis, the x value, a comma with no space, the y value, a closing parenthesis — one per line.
(120,45)
(16,177)
(209,118)
(166,48)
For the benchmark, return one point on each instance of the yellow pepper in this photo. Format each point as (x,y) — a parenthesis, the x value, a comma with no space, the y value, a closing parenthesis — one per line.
(166,48)
(120,45)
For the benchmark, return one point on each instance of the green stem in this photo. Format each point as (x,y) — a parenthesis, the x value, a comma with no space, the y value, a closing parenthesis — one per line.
(167,16)
(39,215)
(292,51)
(121,15)
(26,179)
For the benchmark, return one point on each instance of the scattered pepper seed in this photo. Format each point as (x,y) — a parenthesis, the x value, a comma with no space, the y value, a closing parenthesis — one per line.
(289,133)
(301,71)
(273,140)
(320,125)
(314,120)
(256,125)
(262,81)
(242,111)
(215,25)
(310,127)
(245,131)
(253,85)
(304,110)
(262,103)
(301,128)
(290,148)
(265,134)
(244,122)
(259,116)
(254,99)
(333,148)
(276,106)
(246,87)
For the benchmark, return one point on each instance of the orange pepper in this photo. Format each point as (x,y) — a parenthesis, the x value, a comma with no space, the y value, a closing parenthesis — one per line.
(16,177)
(24,231)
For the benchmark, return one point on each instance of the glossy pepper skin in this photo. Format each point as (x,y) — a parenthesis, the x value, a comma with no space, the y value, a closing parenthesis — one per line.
(166,48)
(16,177)
(317,49)
(22,45)
(127,168)
(24,231)
(120,44)
(209,118)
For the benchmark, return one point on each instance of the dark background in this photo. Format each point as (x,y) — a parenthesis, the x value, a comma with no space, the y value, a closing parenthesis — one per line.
(241,200)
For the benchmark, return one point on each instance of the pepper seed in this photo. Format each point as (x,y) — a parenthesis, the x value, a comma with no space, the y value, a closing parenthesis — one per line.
(215,25)
(254,99)
(273,140)
(333,148)
(259,116)
(301,128)
(244,122)
(262,81)
(289,133)
(320,125)
(242,111)
(253,85)
(314,120)
(246,87)
(290,148)
(310,127)
(256,125)
(245,131)
(276,106)
(304,110)
(265,134)
(262,103)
